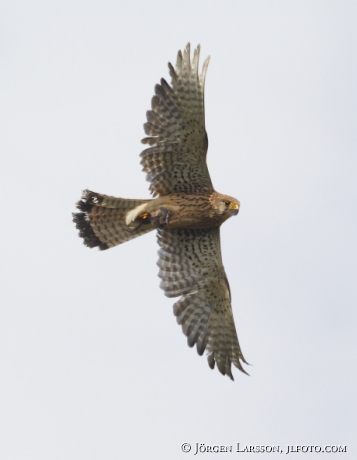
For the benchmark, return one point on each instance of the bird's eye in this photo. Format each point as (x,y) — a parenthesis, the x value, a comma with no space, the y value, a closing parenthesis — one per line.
(227,203)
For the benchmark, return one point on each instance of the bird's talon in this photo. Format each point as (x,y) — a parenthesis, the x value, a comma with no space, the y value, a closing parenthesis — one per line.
(160,217)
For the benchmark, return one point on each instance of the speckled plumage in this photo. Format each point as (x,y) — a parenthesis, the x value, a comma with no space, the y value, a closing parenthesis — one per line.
(176,160)
(186,211)
(191,266)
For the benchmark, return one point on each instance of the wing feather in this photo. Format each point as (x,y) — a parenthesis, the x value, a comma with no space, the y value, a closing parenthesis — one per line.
(191,266)
(176,160)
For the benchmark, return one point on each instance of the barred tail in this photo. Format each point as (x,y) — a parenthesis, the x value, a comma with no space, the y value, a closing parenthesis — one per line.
(102,220)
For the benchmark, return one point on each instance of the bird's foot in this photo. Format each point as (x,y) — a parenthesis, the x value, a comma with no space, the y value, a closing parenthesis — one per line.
(160,217)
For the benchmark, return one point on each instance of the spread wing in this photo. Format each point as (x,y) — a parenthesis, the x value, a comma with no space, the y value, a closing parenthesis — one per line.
(176,160)
(191,266)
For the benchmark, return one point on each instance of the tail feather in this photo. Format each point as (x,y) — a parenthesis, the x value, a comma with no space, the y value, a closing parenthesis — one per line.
(101,221)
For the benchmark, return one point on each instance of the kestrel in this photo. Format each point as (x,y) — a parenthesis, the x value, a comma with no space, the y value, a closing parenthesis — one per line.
(185,210)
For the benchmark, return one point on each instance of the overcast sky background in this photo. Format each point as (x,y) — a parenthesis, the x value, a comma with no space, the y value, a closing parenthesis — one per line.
(93,364)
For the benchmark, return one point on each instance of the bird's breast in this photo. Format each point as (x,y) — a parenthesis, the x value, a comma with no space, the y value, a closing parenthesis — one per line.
(192,210)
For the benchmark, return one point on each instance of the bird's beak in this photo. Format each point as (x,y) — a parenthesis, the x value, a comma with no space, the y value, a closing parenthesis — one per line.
(235,209)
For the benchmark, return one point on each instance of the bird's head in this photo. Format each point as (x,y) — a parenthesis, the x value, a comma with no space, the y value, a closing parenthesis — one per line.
(227,206)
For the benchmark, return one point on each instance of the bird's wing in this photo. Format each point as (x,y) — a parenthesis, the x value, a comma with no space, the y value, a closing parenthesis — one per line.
(191,266)
(176,159)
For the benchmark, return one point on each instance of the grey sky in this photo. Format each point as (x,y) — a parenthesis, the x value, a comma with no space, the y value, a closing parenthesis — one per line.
(93,364)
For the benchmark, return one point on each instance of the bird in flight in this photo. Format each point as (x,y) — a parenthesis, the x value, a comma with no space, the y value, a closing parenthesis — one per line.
(185,210)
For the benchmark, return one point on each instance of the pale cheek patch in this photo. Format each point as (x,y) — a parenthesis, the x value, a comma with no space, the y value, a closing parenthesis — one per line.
(221,208)
(133,214)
